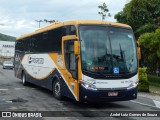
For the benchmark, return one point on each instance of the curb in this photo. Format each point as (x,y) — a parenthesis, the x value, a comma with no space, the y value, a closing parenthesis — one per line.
(152,96)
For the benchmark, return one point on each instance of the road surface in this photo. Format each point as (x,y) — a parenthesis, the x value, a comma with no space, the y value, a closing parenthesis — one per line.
(16,97)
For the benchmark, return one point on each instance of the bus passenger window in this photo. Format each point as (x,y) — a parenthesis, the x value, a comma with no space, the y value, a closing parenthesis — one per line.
(72,30)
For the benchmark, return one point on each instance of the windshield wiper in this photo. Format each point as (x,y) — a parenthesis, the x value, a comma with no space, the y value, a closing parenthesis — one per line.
(123,58)
(121,52)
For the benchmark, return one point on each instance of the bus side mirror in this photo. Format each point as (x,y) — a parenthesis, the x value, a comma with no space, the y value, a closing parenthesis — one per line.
(138,51)
(76,47)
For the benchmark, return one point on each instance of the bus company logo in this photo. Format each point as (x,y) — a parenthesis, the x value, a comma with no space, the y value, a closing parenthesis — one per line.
(35,60)
(6,114)
(29,59)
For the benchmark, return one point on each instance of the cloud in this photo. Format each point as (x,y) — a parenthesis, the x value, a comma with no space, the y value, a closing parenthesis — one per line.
(18,16)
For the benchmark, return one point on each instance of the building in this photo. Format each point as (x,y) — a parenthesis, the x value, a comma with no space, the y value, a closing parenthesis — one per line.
(7,50)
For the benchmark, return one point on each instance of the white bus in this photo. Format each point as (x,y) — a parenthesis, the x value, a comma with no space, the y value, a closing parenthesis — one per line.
(92,61)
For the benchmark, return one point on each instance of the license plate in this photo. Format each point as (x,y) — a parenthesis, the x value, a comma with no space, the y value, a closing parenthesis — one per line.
(112,93)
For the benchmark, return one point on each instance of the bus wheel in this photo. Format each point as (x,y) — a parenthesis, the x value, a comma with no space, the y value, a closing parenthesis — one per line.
(24,82)
(57,90)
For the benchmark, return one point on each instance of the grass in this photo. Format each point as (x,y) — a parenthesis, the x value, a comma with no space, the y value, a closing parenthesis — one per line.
(154,78)
(154,84)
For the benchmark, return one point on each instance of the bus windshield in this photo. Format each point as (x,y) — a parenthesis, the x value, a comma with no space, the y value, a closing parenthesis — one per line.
(107,50)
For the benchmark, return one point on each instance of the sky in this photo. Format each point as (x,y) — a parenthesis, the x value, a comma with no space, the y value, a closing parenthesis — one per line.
(18,17)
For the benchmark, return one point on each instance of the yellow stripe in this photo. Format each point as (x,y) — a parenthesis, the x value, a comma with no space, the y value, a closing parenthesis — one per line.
(63,73)
(42,77)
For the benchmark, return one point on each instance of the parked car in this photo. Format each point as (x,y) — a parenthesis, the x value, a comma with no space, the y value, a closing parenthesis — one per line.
(7,65)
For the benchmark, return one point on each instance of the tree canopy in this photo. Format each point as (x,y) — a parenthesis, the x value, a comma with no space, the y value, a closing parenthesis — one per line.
(150,42)
(142,15)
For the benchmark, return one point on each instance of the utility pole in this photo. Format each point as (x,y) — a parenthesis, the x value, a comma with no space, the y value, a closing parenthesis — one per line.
(39,21)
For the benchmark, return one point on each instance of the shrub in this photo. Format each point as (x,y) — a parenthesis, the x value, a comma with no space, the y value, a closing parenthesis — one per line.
(143,81)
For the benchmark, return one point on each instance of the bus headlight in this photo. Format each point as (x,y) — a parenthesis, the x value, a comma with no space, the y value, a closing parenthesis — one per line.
(133,85)
(88,85)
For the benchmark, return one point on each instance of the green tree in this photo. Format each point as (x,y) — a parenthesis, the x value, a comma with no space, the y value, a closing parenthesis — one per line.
(103,11)
(150,42)
(142,15)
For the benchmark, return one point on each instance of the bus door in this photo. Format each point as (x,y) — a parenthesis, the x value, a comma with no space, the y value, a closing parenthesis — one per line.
(71,64)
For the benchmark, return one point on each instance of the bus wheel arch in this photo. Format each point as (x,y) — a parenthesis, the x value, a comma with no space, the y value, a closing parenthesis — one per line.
(56,88)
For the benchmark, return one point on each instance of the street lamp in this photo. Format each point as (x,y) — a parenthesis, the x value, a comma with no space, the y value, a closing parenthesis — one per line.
(39,21)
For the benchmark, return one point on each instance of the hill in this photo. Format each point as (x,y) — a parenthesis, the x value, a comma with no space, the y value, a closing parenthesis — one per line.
(4,37)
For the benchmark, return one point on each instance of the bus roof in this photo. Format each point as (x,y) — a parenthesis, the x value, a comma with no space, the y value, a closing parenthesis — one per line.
(74,22)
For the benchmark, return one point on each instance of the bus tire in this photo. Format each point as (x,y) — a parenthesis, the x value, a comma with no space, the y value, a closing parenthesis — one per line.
(24,82)
(56,89)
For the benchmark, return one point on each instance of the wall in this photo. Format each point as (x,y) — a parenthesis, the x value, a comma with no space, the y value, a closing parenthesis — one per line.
(7,50)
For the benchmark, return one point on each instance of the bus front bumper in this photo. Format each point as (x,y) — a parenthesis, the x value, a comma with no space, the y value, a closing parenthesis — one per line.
(87,95)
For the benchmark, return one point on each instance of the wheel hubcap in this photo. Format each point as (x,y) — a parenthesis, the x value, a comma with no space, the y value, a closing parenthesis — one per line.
(23,80)
(57,89)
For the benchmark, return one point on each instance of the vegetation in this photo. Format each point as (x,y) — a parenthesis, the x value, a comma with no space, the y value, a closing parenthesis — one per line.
(4,37)
(154,80)
(143,81)
(142,15)
(104,10)
(150,42)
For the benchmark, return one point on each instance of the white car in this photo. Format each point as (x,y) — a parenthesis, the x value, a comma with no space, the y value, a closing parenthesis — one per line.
(8,65)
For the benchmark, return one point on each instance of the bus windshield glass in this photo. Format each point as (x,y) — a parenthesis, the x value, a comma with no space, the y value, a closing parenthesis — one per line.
(107,50)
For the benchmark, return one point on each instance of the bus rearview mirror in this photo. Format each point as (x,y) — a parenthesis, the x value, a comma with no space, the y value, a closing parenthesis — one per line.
(139,53)
(76,47)
(138,50)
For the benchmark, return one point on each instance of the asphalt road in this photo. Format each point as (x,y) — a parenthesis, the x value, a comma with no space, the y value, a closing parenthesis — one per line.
(16,97)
